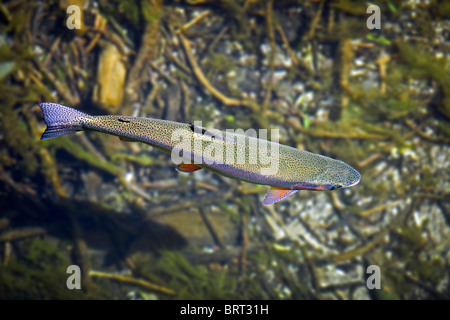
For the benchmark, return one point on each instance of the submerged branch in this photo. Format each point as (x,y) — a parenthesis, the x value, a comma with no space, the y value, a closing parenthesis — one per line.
(193,21)
(130,280)
(22,233)
(205,82)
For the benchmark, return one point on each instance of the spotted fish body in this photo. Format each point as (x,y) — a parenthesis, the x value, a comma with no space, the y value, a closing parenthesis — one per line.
(295,169)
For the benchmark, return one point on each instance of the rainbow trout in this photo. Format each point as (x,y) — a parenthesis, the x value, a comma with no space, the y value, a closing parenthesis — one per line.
(234,155)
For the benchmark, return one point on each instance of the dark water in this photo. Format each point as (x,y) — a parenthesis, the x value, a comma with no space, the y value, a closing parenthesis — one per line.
(378,99)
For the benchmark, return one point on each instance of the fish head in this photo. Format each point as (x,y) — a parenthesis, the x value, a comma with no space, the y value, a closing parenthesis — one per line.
(337,175)
(340,175)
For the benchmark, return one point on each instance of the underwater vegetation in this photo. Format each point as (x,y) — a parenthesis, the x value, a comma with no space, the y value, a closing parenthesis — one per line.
(377,99)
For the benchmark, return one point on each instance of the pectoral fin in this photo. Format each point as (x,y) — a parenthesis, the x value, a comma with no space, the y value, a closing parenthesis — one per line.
(276,194)
(187,167)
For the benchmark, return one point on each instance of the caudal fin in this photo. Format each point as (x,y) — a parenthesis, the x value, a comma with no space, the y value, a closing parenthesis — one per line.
(61,120)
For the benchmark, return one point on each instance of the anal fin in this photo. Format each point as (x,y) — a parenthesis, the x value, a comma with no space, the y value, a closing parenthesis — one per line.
(276,194)
(187,167)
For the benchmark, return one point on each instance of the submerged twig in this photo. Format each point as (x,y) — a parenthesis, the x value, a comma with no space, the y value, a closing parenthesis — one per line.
(22,233)
(205,82)
(378,238)
(148,51)
(387,149)
(100,27)
(61,87)
(312,28)
(177,61)
(126,279)
(382,207)
(217,240)
(421,134)
(218,38)
(287,45)
(193,21)
(381,62)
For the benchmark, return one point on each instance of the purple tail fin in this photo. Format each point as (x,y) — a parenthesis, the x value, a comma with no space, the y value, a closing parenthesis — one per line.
(61,120)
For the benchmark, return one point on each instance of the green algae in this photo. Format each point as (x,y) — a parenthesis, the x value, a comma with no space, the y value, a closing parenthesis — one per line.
(422,65)
(428,270)
(40,273)
(218,63)
(194,281)
(378,39)
(24,150)
(79,152)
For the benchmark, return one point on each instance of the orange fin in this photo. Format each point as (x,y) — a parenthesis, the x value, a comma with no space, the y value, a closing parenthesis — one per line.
(127,139)
(276,194)
(187,167)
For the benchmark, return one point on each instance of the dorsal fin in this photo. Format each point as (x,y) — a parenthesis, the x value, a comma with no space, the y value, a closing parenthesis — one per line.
(276,194)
